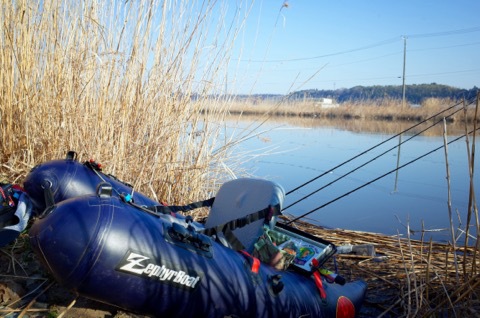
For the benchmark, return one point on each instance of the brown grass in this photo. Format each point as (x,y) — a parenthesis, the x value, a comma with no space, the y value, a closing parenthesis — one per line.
(113,80)
(386,111)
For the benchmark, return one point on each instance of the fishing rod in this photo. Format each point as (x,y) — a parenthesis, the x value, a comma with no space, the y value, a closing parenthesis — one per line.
(369,161)
(378,178)
(373,147)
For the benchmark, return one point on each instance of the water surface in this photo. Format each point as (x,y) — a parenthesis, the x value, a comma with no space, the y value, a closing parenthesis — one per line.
(417,197)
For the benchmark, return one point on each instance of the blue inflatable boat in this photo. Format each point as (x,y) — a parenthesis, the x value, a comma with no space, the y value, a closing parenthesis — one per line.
(133,253)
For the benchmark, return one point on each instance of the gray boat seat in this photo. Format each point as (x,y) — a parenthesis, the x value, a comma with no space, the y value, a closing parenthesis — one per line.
(242,197)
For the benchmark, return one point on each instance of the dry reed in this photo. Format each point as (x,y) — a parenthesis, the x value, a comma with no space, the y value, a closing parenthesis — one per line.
(116,81)
(387,110)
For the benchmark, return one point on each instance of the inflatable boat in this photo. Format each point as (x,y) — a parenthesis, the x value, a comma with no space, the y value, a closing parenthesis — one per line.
(130,253)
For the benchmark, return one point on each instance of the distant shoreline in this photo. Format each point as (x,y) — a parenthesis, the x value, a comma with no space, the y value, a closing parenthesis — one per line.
(386,111)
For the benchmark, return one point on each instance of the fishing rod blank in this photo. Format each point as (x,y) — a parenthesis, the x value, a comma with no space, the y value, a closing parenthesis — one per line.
(373,147)
(369,161)
(376,179)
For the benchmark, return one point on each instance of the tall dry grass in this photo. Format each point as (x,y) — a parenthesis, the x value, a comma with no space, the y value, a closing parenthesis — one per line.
(115,81)
(385,110)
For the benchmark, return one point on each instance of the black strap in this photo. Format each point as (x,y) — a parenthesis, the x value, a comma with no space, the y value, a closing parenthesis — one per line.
(167,209)
(232,240)
(227,228)
(128,200)
(265,214)
(154,209)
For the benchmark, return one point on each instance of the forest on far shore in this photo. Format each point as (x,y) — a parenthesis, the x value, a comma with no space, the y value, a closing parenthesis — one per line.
(414,94)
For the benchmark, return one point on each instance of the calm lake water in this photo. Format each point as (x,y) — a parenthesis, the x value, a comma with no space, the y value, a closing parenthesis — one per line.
(292,155)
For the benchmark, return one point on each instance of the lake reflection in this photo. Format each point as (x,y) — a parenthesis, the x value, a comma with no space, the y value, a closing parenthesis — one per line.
(293,154)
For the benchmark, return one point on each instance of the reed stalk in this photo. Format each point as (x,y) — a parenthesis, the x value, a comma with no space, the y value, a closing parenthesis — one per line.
(449,198)
(472,206)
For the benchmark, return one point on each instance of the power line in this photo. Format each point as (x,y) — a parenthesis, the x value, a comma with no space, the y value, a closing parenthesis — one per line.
(381,43)
(445,73)
(366,47)
(375,58)
(444,47)
(390,77)
(444,33)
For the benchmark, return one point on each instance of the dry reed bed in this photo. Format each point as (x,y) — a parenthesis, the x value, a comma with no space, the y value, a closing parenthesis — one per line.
(409,278)
(113,80)
(378,110)
(360,126)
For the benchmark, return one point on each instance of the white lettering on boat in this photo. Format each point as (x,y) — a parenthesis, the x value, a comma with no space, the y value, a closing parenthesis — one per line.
(139,264)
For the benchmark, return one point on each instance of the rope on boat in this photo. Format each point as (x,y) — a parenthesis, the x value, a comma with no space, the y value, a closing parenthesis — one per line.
(379,144)
(378,178)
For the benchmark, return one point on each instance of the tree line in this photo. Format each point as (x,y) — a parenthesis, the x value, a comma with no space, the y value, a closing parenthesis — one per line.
(414,94)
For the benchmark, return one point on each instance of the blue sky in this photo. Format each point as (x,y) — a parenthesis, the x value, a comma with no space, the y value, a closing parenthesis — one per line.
(332,44)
